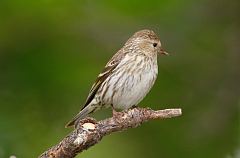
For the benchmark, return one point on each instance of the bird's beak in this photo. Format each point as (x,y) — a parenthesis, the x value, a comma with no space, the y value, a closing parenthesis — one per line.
(162,51)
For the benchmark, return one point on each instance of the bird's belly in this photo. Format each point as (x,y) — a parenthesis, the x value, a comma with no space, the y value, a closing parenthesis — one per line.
(132,94)
(130,89)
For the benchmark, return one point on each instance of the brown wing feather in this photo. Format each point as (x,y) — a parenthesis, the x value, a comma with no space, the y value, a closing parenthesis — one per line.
(109,68)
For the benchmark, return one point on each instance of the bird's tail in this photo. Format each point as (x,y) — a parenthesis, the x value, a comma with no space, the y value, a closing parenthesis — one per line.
(82,114)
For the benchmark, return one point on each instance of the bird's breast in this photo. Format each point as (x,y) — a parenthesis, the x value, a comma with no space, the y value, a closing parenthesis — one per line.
(130,82)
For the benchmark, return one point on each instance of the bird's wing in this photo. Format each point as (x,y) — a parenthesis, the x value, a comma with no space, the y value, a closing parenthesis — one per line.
(109,68)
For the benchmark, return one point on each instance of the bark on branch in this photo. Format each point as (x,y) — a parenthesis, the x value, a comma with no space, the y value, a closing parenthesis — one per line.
(89,132)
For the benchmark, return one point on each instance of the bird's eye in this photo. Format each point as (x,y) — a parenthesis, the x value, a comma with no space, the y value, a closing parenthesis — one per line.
(154,44)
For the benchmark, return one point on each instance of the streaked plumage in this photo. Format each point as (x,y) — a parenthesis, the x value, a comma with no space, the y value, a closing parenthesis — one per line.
(127,77)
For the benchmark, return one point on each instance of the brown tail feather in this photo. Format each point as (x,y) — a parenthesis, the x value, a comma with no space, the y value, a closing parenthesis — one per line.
(82,114)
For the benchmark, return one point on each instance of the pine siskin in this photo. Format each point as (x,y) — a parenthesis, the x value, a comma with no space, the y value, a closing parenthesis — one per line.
(127,77)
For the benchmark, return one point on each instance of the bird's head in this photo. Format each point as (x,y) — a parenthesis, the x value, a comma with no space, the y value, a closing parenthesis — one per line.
(147,42)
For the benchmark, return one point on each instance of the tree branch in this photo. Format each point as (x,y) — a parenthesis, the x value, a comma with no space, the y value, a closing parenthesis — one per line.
(89,132)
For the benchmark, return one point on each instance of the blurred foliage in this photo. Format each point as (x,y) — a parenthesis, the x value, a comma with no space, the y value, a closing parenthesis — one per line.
(52,50)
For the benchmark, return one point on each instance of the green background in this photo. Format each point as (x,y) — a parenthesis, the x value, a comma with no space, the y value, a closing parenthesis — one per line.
(52,50)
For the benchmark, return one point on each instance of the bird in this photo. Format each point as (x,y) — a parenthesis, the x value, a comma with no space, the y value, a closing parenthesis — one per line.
(128,76)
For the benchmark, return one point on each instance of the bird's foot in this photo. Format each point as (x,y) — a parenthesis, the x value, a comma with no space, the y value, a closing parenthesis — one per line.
(115,113)
(134,106)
